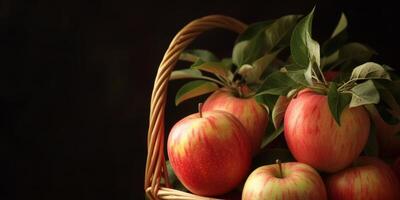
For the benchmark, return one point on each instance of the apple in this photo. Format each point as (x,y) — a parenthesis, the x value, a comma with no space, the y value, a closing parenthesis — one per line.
(210,152)
(389,142)
(314,137)
(292,180)
(252,115)
(367,178)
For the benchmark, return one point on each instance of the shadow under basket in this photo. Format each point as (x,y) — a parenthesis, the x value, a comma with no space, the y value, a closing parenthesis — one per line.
(156,183)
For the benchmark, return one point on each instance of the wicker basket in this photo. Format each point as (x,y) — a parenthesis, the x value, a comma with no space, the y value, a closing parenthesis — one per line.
(156,183)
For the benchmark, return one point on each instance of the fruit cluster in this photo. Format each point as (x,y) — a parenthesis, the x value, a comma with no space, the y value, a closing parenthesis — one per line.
(333,119)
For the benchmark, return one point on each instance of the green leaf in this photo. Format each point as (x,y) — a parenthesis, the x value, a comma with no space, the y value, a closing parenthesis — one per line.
(253,29)
(227,62)
(303,48)
(275,91)
(337,102)
(239,51)
(196,54)
(369,70)
(252,73)
(341,26)
(267,99)
(270,137)
(279,110)
(266,60)
(364,93)
(247,51)
(279,29)
(332,58)
(305,51)
(191,73)
(372,146)
(262,38)
(194,89)
(308,75)
(349,56)
(297,74)
(216,68)
(356,52)
(185,73)
(277,83)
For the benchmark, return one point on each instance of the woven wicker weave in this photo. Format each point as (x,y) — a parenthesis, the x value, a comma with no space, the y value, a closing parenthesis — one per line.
(156,182)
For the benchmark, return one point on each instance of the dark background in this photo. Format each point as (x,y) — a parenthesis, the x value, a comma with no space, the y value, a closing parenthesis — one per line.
(76,79)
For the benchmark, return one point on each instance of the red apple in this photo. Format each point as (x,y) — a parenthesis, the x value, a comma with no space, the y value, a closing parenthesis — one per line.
(367,178)
(252,115)
(209,152)
(389,142)
(292,180)
(314,137)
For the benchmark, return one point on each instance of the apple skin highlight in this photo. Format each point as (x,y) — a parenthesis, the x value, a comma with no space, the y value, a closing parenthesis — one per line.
(299,181)
(314,137)
(210,154)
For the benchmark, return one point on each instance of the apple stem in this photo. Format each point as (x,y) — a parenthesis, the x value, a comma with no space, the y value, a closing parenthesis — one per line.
(199,107)
(280,168)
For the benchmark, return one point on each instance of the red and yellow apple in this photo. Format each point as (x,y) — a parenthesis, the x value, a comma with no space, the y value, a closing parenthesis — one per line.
(209,152)
(367,178)
(252,115)
(389,142)
(292,180)
(314,137)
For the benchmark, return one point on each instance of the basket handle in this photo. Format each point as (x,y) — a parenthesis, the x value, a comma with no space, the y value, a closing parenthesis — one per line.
(155,164)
